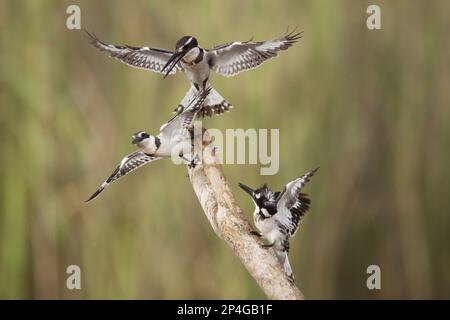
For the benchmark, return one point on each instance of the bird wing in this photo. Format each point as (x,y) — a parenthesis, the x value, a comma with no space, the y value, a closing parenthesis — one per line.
(152,59)
(292,205)
(185,119)
(232,58)
(129,163)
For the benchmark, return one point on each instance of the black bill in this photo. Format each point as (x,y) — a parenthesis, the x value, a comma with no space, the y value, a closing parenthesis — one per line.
(174,59)
(136,139)
(246,189)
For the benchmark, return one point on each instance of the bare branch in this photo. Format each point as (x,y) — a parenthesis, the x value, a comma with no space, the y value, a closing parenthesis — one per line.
(230,224)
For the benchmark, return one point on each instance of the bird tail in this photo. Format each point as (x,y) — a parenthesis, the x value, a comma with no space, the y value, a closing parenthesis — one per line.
(214,104)
(282,255)
(284,260)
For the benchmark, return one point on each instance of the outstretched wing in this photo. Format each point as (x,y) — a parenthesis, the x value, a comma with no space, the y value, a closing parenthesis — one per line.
(129,163)
(152,59)
(184,120)
(292,205)
(232,58)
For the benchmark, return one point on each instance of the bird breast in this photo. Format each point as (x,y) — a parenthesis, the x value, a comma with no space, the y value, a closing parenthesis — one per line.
(197,73)
(269,229)
(179,140)
(191,55)
(263,225)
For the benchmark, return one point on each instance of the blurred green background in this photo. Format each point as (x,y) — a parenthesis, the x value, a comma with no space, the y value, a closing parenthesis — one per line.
(371,108)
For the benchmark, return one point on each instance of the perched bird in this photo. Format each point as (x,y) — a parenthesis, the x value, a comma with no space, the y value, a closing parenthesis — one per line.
(277,215)
(227,60)
(173,134)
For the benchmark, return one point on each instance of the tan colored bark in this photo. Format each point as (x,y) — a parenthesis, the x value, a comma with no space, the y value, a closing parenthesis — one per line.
(230,224)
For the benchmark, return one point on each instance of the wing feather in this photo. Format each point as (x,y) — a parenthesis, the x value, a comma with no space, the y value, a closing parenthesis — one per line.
(130,163)
(185,119)
(152,59)
(233,58)
(292,204)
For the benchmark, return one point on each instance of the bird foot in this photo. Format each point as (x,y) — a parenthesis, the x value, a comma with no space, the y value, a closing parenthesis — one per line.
(256,233)
(192,163)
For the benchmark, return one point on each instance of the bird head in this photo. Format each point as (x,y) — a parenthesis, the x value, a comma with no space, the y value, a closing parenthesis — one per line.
(186,43)
(146,141)
(264,198)
(183,46)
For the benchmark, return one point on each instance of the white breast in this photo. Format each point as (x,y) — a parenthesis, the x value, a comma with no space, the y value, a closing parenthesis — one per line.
(263,225)
(269,230)
(191,55)
(174,143)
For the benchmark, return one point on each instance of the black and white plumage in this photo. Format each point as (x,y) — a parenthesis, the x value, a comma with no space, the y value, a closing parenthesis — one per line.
(173,134)
(277,215)
(196,62)
(146,58)
(232,58)
(129,163)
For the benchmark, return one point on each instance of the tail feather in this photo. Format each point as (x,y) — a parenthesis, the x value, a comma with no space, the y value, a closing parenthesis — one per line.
(287,267)
(284,260)
(214,104)
(281,251)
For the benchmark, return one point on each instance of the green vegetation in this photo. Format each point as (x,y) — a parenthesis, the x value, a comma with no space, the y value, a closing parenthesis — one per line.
(371,108)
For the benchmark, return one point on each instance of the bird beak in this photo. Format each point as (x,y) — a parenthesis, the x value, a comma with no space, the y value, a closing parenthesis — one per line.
(246,189)
(136,139)
(174,59)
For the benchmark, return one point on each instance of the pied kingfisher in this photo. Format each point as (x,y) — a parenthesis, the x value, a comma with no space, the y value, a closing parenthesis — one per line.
(227,60)
(173,134)
(277,215)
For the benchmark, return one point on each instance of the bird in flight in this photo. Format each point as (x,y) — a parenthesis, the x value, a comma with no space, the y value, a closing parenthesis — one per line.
(196,62)
(277,215)
(173,135)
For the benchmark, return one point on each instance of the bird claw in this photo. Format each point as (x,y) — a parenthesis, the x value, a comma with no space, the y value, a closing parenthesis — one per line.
(268,245)
(256,233)
(191,163)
